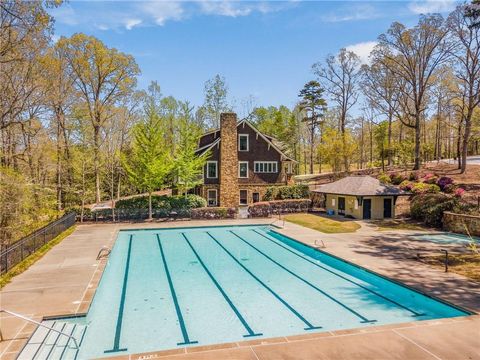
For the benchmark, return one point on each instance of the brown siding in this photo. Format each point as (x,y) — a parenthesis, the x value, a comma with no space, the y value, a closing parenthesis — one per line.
(208,138)
(258,151)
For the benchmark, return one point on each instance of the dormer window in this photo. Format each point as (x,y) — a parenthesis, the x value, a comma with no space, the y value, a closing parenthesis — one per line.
(242,142)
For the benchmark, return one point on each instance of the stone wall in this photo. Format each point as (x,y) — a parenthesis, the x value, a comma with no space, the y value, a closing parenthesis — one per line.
(458,222)
(229,196)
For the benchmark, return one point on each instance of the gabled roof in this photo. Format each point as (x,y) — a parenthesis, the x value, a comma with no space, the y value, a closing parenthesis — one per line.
(359,186)
(271,141)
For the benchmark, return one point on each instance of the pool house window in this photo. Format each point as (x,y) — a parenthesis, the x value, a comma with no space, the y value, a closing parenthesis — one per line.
(243,169)
(242,142)
(212,171)
(266,166)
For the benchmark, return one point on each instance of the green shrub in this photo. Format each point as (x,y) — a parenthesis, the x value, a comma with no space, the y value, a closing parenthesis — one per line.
(286,192)
(406,185)
(384,178)
(397,178)
(163,202)
(424,188)
(429,208)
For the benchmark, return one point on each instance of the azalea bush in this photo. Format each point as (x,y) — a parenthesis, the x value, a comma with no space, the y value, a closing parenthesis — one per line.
(429,208)
(444,181)
(424,188)
(384,178)
(267,208)
(397,178)
(406,185)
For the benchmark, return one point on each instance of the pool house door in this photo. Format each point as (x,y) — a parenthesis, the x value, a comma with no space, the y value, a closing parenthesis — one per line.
(367,208)
(387,208)
(341,206)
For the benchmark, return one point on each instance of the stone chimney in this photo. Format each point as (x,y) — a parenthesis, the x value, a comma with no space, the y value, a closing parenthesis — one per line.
(229,196)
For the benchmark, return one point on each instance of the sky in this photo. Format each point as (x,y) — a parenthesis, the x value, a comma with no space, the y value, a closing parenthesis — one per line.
(264,49)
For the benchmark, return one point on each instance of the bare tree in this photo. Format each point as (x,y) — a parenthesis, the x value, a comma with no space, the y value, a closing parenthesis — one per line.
(467,71)
(339,75)
(413,55)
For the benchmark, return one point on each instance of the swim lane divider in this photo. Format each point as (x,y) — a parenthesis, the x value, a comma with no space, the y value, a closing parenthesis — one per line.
(364,319)
(287,305)
(186,339)
(341,276)
(251,333)
(118,328)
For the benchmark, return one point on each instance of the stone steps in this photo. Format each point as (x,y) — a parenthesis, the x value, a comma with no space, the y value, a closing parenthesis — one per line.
(47,344)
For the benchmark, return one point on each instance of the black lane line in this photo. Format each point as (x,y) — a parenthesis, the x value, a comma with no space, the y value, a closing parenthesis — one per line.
(341,276)
(186,339)
(289,307)
(364,319)
(118,329)
(251,333)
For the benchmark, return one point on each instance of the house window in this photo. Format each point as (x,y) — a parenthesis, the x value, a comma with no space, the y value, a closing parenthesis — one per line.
(266,166)
(212,172)
(243,169)
(333,202)
(256,197)
(212,197)
(243,197)
(242,142)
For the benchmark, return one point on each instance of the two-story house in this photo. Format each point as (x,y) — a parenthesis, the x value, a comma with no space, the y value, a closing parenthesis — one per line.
(243,162)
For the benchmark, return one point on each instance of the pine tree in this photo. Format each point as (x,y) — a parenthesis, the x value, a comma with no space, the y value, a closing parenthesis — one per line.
(149,163)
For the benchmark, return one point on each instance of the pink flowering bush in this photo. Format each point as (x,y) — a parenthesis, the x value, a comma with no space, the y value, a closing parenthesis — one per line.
(459,192)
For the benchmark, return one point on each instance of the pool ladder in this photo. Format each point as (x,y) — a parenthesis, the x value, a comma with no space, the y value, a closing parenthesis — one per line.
(104,252)
(279,219)
(319,246)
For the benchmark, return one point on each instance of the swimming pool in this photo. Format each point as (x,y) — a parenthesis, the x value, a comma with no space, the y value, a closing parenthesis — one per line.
(446,238)
(165,289)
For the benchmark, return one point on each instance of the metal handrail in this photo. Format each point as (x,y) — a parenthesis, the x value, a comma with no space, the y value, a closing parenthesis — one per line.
(318,246)
(279,219)
(107,251)
(42,325)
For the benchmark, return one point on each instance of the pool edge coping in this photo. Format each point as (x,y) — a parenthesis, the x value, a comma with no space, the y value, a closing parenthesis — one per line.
(90,291)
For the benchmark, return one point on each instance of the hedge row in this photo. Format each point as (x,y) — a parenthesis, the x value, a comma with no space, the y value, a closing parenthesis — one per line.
(213,213)
(286,192)
(163,202)
(267,208)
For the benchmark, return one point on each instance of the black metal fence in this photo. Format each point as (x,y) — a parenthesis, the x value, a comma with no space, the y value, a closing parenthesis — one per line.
(18,251)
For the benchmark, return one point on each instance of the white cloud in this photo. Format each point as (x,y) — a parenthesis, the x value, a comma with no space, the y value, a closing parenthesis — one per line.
(163,11)
(363,50)
(65,14)
(431,6)
(131,23)
(352,13)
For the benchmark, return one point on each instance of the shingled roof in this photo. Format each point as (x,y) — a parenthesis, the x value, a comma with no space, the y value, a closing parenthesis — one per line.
(359,186)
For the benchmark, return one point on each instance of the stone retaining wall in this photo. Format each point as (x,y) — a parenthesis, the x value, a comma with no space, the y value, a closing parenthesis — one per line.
(458,222)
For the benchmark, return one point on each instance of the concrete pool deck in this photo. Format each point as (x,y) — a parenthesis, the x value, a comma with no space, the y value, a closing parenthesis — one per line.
(64,281)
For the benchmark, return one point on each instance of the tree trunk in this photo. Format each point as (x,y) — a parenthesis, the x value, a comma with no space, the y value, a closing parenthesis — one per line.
(389,140)
(96,154)
(466,138)
(59,168)
(312,139)
(417,142)
(150,217)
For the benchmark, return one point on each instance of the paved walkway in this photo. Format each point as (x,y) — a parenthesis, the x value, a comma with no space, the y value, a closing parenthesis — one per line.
(64,281)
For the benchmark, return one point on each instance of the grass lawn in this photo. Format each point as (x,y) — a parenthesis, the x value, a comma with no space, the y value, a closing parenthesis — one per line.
(467,265)
(30,260)
(322,224)
(387,225)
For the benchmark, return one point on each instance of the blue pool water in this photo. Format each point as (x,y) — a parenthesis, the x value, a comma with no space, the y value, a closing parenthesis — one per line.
(164,289)
(446,238)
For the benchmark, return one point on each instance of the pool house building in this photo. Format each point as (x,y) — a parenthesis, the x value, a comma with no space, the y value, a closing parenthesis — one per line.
(360,197)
